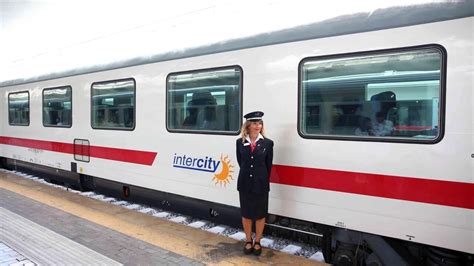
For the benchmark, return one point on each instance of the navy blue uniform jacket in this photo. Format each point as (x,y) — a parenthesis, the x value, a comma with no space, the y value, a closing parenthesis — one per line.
(255,167)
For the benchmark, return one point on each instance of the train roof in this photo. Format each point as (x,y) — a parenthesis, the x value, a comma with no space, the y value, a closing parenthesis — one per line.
(385,18)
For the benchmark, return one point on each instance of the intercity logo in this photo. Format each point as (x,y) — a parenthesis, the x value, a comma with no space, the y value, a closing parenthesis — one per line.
(207,164)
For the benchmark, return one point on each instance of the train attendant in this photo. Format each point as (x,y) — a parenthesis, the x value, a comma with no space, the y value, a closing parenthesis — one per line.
(254,155)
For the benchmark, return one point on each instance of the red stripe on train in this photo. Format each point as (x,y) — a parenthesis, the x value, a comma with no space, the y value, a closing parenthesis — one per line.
(38,144)
(447,193)
(129,156)
(122,155)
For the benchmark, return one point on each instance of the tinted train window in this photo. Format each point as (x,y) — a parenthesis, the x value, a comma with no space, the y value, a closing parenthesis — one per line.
(113,104)
(205,101)
(57,107)
(394,95)
(19,108)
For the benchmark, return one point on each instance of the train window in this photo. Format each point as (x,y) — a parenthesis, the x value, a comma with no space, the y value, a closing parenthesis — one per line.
(19,108)
(113,105)
(205,101)
(57,107)
(392,95)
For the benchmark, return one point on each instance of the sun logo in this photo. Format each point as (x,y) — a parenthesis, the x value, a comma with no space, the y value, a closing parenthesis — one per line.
(224,177)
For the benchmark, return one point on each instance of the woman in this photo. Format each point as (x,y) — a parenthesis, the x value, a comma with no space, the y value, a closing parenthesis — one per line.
(254,155)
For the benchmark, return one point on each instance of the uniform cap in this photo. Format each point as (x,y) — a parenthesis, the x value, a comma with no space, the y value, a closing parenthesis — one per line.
(254,116)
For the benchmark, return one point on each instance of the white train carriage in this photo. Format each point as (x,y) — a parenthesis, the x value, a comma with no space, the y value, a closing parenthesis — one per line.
(165,128)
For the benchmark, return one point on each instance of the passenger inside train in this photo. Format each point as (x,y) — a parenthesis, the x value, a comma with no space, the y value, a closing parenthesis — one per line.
(201,111)
(382,126)
(365,128)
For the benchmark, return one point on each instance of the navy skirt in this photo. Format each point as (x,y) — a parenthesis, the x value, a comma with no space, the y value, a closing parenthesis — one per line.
(253,206)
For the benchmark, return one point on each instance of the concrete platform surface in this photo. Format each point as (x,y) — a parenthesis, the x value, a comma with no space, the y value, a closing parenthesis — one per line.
(47,225)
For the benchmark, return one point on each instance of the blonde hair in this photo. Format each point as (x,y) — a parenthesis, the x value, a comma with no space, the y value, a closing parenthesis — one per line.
(244,130)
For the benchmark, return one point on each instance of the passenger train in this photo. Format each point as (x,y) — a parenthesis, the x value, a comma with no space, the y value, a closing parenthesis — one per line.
(371,115)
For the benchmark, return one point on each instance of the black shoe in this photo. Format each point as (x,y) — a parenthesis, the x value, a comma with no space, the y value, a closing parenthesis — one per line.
(248,251)
(257,252)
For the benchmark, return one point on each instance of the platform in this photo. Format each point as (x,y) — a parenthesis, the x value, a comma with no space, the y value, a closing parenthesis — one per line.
(44,225)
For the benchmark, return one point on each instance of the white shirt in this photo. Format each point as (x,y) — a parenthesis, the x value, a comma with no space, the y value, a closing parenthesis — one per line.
(383,129)
(259,137)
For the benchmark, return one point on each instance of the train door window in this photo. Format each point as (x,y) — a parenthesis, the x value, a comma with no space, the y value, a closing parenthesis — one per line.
(19,108)
(205,101)
(57,107)
(81,150)
(113,105)
(390,95)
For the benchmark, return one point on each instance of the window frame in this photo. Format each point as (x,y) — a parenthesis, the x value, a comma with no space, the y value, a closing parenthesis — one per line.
(207,132)
(29,109)
(42,106)
(134,104)
(442,95)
